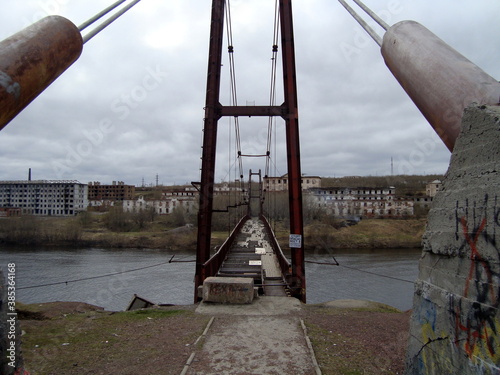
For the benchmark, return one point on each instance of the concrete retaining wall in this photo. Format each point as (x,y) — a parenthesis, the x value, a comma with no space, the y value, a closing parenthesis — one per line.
(455,327)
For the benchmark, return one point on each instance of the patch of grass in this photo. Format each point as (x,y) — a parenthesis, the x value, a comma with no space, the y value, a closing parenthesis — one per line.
(336,355)
(369,233)
(75,342)
(381,308)
(363,340)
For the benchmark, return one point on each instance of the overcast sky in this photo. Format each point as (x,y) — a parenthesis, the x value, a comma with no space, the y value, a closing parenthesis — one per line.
(145,77)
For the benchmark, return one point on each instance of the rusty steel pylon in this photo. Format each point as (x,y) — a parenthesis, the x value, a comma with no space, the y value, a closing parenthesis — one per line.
(288,111)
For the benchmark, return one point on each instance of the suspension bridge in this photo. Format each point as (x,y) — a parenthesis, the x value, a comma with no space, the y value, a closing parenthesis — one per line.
(28,67)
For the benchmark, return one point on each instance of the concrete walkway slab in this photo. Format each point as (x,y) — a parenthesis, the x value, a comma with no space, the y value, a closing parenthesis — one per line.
(263,305)
(264,345)
(266,337)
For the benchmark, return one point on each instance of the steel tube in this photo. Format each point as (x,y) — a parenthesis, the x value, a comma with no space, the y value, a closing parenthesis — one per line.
(372,14)
(440,81)
(108,22)
(99,15)
(32,59)
(362,22)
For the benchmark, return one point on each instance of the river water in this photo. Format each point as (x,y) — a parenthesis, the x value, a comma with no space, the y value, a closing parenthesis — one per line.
(110,277)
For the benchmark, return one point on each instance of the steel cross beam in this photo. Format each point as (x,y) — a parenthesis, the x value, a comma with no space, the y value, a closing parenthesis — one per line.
(253,111)
(214,111)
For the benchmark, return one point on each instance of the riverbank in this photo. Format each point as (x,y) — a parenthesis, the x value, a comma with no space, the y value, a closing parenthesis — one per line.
(348,337)
(92,231)
(369,233)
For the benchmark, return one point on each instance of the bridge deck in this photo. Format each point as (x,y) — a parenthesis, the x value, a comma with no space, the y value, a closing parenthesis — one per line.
(252,255)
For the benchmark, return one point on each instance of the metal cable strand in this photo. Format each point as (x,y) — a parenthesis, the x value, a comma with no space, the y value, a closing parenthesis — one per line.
(232,75)
(93,277)
(272,96)
(108,22)
(99,15)
(360,270)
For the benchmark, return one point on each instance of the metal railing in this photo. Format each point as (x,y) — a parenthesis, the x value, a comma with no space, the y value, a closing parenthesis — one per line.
(212,266)
(282,260)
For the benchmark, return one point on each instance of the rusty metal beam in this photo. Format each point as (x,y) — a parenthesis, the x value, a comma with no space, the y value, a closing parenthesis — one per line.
(252,111)
(293,149)
(32,59)
(212,107)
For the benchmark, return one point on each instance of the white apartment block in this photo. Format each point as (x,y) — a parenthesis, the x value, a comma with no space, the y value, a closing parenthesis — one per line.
(45,198)
(361,202)
(281,183)
(161,206)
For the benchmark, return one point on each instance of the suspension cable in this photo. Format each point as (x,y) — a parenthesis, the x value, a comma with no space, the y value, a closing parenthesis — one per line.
(272,95)
(99,15)
(234,101)
(94,277)
(232,76)
(360,270)
(106,23)
(233,93)
(272,101)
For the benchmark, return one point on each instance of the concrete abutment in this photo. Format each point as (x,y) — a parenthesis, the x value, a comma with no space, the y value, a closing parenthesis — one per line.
(455,323)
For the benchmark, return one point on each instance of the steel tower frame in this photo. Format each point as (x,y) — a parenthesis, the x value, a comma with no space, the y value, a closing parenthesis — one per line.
(288,111)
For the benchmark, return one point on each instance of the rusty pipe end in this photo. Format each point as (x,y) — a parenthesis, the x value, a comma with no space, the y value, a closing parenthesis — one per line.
(32,59)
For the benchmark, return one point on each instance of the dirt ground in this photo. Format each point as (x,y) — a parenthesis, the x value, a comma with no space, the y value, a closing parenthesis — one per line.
(359,340)
(347,337)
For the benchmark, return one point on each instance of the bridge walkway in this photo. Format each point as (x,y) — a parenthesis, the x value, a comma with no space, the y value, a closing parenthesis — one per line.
(252,255)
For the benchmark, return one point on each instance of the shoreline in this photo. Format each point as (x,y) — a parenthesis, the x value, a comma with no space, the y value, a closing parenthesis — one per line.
(368,234)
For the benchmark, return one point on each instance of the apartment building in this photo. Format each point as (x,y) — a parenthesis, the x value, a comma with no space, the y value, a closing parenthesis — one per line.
(163,206)
(44,197)
(358,202)
(117,191)
(273,184)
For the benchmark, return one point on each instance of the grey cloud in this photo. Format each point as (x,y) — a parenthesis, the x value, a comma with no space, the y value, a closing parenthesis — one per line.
(108,117)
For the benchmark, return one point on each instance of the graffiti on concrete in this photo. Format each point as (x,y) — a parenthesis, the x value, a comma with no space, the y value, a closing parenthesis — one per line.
(475,315)
(431,360)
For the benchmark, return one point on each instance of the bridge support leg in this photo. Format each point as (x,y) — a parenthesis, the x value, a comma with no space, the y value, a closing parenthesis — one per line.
(293,150)
(209,142)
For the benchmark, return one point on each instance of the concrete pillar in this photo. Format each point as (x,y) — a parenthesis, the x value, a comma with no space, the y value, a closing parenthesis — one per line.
(455,326)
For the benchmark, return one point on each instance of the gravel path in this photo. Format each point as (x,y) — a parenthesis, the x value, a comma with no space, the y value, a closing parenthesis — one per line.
(254,345)
(265,338)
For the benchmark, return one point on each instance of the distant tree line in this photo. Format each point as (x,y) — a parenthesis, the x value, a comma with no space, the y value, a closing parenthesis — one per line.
(31,230)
